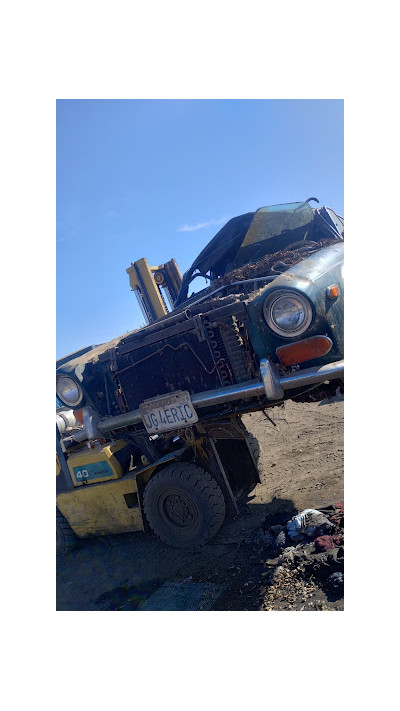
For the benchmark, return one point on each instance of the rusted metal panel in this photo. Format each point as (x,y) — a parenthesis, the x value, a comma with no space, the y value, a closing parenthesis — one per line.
(156,337)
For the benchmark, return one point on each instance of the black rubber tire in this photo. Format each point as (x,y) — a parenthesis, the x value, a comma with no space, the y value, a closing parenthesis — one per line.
(65,537)
(184,505)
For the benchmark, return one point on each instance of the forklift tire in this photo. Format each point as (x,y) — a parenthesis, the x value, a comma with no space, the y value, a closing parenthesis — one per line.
(184,505)
(65,537)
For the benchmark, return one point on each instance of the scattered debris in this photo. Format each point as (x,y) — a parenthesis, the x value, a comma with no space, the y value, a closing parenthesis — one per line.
(336,580)
(280,540)
(316,563)
(309,523)
(326,543)
(261,536)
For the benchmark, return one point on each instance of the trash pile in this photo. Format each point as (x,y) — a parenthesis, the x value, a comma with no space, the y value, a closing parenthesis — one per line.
(311,544)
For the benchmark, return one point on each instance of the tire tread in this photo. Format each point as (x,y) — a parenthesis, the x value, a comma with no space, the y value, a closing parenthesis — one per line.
(202,484)
(68,540)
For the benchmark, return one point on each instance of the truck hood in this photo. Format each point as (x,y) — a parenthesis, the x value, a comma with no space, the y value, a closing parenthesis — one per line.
(248,238)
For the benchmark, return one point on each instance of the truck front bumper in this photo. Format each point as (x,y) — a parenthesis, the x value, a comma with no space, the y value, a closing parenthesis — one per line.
(272,384)
(275,385)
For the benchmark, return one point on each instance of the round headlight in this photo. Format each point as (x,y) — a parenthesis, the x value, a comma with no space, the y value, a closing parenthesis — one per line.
(287,313)
(69,391)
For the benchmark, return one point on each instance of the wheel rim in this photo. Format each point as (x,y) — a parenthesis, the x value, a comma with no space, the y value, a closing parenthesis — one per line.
(178,510)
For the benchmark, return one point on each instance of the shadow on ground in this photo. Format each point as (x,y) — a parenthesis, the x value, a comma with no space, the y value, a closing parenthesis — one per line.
(121,572)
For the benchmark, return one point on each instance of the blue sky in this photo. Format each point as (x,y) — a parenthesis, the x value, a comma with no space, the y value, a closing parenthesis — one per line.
(158,178)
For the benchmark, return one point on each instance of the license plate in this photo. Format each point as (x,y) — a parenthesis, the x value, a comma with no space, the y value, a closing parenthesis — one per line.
(169,412)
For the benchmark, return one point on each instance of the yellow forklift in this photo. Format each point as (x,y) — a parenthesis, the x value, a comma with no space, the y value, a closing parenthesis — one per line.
(180,487)
(180,484)
(156,288)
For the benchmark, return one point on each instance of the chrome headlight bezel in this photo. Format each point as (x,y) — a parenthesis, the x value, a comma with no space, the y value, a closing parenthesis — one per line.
(63,388)
(275,299)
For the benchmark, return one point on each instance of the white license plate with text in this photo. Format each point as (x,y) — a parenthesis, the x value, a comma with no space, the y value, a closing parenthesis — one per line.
(169,412)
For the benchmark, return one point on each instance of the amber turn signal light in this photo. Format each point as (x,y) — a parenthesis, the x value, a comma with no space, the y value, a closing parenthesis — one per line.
(304,350)
(332,291)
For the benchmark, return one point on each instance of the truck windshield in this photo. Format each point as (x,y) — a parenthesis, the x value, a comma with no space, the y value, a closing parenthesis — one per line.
(249,237)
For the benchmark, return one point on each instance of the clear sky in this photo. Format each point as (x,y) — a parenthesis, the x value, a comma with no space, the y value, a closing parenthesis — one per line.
(158,178)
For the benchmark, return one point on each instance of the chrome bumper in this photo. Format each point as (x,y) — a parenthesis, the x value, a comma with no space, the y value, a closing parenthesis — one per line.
(275,385)
(271,384)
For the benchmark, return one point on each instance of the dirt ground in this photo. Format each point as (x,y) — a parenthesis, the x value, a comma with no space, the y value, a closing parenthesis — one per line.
(301,466)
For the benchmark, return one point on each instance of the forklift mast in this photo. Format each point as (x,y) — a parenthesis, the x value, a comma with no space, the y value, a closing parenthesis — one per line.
(156,288)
